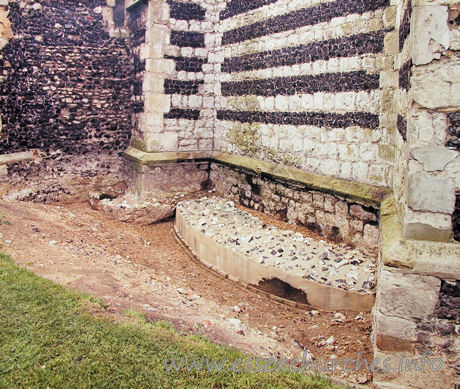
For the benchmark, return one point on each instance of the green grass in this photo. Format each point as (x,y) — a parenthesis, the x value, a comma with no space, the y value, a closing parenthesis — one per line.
(49,338)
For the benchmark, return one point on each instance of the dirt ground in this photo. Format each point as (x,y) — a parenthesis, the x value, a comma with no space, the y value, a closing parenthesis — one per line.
(145,268)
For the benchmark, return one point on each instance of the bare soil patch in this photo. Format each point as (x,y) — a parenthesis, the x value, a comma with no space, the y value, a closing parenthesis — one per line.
(144,268)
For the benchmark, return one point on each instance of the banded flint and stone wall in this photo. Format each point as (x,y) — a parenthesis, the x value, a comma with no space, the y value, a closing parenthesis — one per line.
(365,91)
(191,86)
(175,87)
(137,16)
(303,83)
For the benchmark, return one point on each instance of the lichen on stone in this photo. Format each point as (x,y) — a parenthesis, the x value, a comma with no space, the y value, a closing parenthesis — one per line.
(246,138)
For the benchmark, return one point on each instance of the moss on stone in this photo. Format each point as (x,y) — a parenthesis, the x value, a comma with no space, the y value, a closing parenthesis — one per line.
(376,179)
(387,153)
(138,144)
(287,159)
(252,103)
(371,195)
(246,138)
(396,251)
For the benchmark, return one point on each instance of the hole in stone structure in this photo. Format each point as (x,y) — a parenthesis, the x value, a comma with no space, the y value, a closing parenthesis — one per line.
(334,234)
(256,189)
(205,185)
(449,301)
(106,196)
(282,289)
(282,214)
(454,18)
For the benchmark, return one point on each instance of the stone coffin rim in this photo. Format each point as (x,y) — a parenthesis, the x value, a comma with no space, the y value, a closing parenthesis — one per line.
(243,268)
(364,193)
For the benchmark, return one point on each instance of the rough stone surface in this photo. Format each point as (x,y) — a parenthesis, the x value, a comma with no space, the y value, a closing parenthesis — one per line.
(132,209)
(431,33)
(426,193)
(436,86)
(434,158)
(394,333)
(5,25)
(319,261)
(65,83)
(330,215)
(169,178)
(401,295)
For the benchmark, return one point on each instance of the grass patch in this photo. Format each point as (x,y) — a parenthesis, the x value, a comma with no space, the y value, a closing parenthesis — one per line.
(49,338)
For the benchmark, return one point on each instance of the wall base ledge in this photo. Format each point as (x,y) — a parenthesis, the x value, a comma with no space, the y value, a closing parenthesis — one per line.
(363,193)
(439,259)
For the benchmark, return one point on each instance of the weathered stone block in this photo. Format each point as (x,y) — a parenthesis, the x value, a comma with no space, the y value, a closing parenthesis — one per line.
(433,158)
(155,102)
(427,127)
(408,296)
(393,333)
(341,208)
(5,26)
(436,86)
(432,194)
(318,200)
(371,236)
(357,225)
(427,226)
(168,141)
(431,33)
(360,213)
(153,83)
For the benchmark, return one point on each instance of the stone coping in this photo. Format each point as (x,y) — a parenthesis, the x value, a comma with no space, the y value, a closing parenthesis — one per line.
(368,194)
(131,4)
(438,259)
(246,268)
(19,157)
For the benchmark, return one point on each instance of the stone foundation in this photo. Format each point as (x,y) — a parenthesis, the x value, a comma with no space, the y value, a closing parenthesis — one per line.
(333,216)
(167,178)
(417,308)
(58,177)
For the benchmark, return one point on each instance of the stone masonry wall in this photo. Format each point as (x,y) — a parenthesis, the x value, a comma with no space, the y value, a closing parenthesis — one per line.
(174,42)
(332,216)
(427,179)
(65,94)
(65,83)
(416,314)
(192,114)
(304,84)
